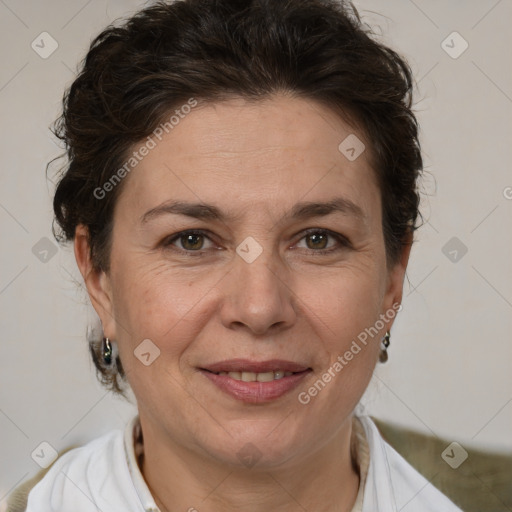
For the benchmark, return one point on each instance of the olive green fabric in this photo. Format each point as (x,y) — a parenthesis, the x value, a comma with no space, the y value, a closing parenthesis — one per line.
(17,501)
(482,483)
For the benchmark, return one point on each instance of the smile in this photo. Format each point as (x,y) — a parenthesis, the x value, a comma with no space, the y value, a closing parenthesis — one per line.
(257,377)
(255,382)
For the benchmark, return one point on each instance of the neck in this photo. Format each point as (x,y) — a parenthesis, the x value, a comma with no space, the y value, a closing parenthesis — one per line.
(180,479)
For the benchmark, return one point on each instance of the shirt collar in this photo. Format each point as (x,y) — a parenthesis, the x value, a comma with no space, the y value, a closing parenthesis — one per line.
(132,433)
(361,453)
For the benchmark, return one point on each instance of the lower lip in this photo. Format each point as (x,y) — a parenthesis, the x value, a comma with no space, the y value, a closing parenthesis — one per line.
(255,392)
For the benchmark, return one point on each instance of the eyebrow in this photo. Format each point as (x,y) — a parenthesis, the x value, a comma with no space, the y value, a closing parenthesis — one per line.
(303,210)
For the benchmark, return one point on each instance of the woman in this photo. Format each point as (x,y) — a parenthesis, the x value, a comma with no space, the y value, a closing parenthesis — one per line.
(242,195)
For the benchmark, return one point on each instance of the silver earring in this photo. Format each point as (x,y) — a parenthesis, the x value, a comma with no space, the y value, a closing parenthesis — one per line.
(107,351)
(384,344)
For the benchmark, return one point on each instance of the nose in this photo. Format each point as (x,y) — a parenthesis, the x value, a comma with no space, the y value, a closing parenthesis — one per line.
(258,296)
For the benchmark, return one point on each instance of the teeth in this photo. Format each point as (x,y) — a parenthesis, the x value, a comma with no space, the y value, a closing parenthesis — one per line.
(248,377)
(264,377)
(257,377)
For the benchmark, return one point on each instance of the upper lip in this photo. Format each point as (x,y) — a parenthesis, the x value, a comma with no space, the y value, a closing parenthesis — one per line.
(246,365)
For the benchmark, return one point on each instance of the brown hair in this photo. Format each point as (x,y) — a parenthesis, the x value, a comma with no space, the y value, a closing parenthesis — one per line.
(136,73)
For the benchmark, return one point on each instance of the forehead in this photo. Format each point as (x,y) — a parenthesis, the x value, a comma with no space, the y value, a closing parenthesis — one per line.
(257,157)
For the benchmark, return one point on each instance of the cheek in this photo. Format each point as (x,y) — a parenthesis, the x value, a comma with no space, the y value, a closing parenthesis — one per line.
(345,302)
(155,303)
(341,310)
(158,302)
(342,314)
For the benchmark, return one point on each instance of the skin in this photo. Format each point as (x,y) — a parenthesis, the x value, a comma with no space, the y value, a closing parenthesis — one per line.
(254,162)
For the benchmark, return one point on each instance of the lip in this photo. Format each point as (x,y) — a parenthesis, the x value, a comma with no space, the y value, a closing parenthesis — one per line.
(255,392)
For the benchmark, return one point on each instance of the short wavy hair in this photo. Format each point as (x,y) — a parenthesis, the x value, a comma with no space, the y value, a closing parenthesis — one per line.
(137,72)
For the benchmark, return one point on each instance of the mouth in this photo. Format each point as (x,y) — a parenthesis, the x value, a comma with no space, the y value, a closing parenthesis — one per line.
(256,377)
(253,381)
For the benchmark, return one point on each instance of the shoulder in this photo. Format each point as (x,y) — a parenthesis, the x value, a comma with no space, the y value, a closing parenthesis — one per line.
(83,477)
(393,484)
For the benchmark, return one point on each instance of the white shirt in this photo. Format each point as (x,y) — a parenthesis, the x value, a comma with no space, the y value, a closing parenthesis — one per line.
(104,476)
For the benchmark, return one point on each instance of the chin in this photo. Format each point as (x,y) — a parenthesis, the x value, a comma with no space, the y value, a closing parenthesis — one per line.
(258,447)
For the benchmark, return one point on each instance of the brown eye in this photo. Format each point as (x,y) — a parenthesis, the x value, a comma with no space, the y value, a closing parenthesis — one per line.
(320,241)
(189,241)
(317,240)
(192,242)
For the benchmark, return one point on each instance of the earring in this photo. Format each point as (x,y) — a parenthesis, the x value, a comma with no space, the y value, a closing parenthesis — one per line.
(384,344)
(107,351)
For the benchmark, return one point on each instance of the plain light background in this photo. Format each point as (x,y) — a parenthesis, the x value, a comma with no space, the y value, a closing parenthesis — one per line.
(450,366)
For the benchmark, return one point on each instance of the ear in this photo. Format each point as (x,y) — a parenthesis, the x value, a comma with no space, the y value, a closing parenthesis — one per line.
(96,281)
(396,276)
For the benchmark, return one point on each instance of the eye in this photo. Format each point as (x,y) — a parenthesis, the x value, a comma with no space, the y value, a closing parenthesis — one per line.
(315,240)
(319,240)
(189,241)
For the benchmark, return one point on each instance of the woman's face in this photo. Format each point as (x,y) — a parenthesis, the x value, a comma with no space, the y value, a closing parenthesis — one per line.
(246,236)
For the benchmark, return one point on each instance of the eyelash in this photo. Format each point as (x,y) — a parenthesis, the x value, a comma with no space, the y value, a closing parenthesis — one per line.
(343,242)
